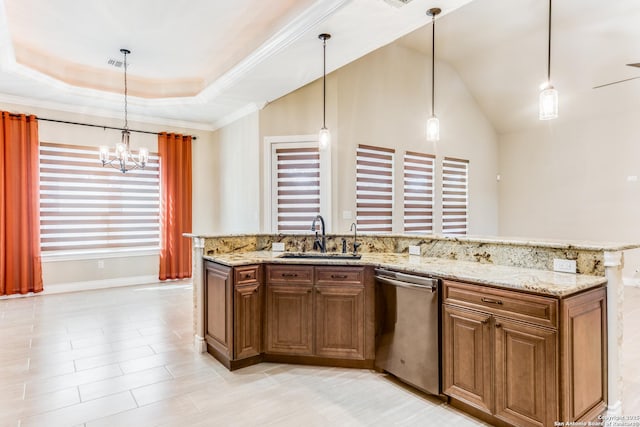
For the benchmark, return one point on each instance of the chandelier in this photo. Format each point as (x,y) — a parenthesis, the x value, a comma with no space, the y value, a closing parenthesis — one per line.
(123,158)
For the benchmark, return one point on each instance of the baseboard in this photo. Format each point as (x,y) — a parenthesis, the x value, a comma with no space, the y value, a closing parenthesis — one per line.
(90,285)
(628,281)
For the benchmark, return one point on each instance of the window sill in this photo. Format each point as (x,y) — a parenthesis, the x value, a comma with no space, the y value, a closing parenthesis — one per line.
(79,256)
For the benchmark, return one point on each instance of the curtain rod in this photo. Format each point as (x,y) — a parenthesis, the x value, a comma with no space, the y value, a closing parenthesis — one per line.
(193,137)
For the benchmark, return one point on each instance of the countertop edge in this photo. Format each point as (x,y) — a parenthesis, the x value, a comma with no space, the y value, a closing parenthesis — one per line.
(538,288)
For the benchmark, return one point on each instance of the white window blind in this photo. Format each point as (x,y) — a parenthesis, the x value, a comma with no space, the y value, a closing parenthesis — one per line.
(418,192)
(85,207)
(455,196)
(298,187)
(374,189)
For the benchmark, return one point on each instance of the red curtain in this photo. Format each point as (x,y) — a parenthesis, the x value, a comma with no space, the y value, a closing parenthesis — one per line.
(175,208)
(20,262)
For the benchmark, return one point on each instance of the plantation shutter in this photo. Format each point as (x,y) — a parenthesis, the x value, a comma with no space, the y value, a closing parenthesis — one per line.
(298,187)
(374,189)
(418,192)
(455,196)
(85,207)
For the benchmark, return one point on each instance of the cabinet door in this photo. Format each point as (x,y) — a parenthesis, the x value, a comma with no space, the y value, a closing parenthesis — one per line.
(340,321)
(248,320)
(466,359)
(289,319)
(525,374)
(218,308)
(584,355)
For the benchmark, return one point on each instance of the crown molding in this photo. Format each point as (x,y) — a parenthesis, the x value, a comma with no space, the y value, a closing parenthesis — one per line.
(293,31)
(98,112)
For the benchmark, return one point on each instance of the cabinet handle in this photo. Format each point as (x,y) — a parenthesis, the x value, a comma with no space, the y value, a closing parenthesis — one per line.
(247,276)
(338,276)
(498,325)
(289,275)
(492,301)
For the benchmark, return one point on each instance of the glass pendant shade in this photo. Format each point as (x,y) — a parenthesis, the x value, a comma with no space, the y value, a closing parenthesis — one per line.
(548,103)
(433,129)
(324,138)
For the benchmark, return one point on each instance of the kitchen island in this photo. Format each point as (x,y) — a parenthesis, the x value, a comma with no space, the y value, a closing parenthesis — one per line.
(549,306)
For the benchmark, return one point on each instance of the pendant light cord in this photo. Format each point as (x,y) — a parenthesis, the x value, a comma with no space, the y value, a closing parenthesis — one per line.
(549,49)
(433,64)
(126,121)
(324,83)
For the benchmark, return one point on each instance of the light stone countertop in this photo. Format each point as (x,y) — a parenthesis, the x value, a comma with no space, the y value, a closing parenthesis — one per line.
(524,279)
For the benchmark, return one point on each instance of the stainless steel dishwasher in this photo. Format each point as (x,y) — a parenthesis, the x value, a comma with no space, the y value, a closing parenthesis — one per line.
(407,339)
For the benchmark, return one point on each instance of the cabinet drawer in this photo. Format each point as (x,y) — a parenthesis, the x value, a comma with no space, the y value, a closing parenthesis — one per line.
(339,275)
(289,274)
(248,274)
(517,305)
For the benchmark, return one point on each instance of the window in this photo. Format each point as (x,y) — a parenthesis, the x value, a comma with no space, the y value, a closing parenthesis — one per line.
(455,195)
(297,186)
(86,208)
(418,192)
(374,189)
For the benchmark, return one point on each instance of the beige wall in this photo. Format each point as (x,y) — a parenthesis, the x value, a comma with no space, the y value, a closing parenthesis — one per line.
(123,268)
(384,99)
(570,181)
(237,177)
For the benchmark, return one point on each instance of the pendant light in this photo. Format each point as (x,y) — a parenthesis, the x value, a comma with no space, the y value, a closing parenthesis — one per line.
(548,102)
(433,124)
(124,160)
(324,136)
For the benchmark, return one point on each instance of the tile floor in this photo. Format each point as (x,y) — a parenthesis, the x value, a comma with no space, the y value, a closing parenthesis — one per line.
(122,357)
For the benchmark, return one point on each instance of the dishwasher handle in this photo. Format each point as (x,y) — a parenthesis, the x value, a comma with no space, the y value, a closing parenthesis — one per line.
(433,287)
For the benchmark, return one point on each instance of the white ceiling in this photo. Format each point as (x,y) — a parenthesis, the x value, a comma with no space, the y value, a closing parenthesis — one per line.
(193,63)
(203,63)
(499,48)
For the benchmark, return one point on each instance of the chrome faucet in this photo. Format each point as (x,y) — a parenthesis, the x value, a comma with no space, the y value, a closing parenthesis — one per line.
(356,245)
(317,243)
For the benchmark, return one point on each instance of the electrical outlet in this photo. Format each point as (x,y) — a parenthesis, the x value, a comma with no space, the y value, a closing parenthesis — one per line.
(101,264)
(564,265)
(414,250)
(277,247)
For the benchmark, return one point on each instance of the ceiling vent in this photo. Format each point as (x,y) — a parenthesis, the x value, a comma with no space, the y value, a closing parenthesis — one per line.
(115,62)
(398,3)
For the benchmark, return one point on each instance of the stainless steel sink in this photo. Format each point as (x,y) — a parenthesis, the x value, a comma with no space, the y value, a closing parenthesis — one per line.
(319,255)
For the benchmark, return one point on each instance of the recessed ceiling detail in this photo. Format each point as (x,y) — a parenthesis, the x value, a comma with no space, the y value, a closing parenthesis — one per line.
(195,63)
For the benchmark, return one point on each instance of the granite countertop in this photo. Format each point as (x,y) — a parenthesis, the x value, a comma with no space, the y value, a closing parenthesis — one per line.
(524,279)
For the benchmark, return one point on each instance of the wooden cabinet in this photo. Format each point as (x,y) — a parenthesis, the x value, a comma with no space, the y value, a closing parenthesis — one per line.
(340,321)
(233,312)
(320,312)
(218,286)
(510,355)
(467,356)
(290,319)
(316,314)
(526,384)
(247,321)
